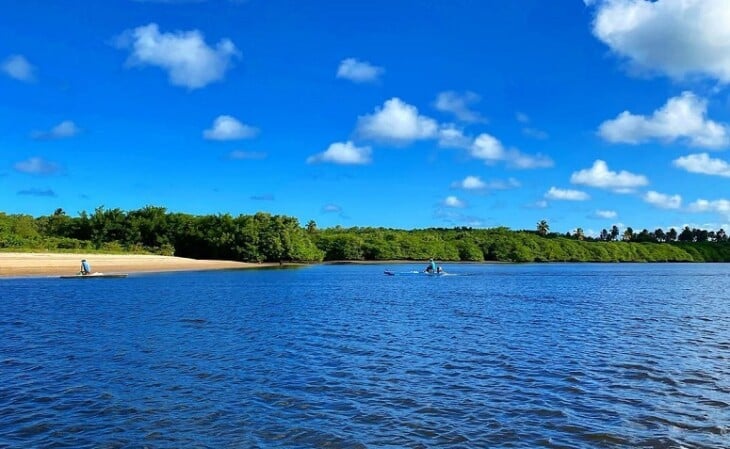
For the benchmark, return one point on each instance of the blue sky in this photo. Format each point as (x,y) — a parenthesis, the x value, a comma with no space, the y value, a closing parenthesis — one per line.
(398,113)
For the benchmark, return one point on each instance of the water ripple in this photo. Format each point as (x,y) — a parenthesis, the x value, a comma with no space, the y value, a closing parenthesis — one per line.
(558,356)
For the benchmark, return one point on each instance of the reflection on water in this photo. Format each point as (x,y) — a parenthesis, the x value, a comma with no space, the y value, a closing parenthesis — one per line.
(558,356)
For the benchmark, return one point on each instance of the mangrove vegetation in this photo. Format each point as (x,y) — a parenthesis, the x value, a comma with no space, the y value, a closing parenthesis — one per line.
(264,237)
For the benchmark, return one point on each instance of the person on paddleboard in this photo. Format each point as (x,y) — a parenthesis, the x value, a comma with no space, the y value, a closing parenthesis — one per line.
(85,267)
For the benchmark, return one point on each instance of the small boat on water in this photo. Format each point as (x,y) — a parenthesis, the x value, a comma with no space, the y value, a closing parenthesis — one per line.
(95,275)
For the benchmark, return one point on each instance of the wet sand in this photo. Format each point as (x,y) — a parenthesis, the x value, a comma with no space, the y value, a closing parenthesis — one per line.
(53,264)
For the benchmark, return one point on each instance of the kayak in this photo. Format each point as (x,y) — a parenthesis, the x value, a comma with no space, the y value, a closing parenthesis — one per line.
(94,275)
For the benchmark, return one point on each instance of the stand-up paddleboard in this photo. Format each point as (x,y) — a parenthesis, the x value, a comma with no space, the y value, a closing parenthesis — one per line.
(412,273)
(95,275)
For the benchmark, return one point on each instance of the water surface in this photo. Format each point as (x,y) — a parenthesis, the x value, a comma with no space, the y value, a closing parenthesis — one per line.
(560,355)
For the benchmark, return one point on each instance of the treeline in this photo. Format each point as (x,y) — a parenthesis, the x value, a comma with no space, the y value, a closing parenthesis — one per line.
(254,238)
(275,238)
(502,244)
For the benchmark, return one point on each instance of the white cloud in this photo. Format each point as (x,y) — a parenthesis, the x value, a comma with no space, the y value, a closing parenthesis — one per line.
(517,159)
(344,153)
(476,183)
(566,194)
(681,118)
(679,38)
(397,121)
(63,130)
(358,71)
(17,67)
(489,149)
(600,176)
(246,155)
(720,206)
(522,117)
(703,163)
(458,105)
(37,166)
(608,214)
(452,137)
(470,183)
(189,61)
(663,201)
(452,201)
(540,204)
(226,127)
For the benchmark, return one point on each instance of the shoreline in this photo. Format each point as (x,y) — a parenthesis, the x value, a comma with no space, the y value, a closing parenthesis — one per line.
(58,264)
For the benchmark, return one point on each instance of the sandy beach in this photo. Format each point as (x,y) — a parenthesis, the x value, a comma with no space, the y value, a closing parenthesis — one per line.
(52,264)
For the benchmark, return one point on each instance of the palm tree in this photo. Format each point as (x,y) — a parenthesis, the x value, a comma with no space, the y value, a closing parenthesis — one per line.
(543,227)
(311,226)
(614,232)
(628,234)
(579,234)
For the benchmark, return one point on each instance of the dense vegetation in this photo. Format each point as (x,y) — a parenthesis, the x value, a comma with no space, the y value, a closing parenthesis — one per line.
(265,238)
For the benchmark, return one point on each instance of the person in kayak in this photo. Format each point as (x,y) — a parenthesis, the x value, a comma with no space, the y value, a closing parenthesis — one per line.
(85,267)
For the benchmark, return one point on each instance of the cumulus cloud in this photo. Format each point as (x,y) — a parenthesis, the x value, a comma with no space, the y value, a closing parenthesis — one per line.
(37,166)
(397,121)
(681,118)
(721,206)
(17,67)
(663,201)
(189,61)
(476,183)
(38,192)
(470,183)
(454,202)
(226,127)
(358,71)
(343,153)
(679,38)
(63,130)
(489,149)
(246,155)
(459,104)
(704,164)
(600,176)
(608,214)
(566,194)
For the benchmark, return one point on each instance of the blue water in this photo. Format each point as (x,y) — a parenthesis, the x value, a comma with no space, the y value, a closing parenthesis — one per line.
(561,356)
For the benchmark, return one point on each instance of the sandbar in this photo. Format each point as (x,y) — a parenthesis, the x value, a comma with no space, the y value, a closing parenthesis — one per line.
(55,264)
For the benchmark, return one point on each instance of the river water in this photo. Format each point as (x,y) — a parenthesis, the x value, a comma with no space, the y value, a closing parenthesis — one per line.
(553,355)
